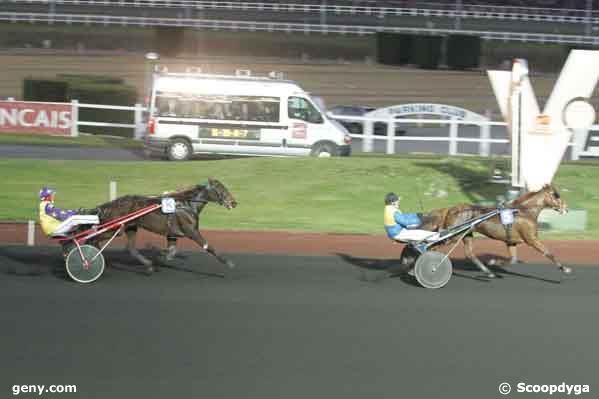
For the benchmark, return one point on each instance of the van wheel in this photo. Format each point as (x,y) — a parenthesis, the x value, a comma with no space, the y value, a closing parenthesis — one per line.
(324,150)
(179,150)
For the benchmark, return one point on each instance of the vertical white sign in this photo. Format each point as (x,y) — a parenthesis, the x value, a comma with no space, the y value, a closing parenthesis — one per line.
(542,138)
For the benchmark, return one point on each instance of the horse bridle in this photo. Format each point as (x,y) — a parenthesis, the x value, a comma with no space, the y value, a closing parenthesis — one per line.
(208,186)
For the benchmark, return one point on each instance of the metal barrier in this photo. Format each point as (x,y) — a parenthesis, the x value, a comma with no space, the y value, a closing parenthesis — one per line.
(419,9)
(286,27)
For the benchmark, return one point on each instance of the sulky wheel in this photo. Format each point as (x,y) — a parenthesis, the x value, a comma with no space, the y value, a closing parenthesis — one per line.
(433,269)
(88,270)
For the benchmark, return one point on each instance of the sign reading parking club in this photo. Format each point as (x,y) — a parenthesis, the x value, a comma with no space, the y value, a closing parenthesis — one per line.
(34,117)
(539,140)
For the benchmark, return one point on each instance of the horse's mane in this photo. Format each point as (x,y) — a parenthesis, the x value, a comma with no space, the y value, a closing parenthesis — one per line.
(181,195)
(126,199)
(525,197)
(184,194)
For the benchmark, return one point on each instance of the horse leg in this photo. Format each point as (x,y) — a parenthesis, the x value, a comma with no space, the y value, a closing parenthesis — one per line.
(513,254)
(131,235)
(202,242)
(469,251)
(538,245)
(171,248)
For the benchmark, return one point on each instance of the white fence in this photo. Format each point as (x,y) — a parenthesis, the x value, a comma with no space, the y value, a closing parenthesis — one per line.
(368,137)
(138,124)
(434,10)
(106,20)
(484,140)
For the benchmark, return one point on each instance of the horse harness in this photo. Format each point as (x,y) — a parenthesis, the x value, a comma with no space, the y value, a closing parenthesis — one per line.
(187,206)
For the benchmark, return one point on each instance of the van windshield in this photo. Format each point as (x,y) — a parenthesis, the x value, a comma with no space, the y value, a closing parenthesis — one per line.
(236,108)
(301,108)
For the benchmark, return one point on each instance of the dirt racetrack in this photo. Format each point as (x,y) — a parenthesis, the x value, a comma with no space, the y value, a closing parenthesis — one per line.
(322,244)
(290,327)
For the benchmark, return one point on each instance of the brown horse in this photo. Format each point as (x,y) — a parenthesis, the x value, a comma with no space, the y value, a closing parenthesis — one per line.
(182,223)
(523,230)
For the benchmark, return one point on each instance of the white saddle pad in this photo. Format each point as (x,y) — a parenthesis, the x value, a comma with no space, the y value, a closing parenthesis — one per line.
(408,235)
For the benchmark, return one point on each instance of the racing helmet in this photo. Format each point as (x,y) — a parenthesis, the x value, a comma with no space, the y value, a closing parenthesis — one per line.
(45,192)
(391,198)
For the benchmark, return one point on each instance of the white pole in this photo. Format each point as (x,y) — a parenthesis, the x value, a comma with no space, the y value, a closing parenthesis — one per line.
(453,136)
(367,136)
(484,148)
(31,233)
(139,127)
(516,136)
(390,136)
(112,190)
(74,118)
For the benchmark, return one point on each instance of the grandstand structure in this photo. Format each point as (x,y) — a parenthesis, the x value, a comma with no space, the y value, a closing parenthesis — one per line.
(548,21)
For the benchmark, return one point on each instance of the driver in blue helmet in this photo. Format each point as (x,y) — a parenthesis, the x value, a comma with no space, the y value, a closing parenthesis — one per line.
(403,226)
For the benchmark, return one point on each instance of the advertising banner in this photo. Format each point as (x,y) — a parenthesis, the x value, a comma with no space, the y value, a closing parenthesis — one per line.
(35,117)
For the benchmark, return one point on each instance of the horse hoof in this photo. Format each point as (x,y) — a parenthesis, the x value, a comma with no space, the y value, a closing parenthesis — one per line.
(230,264)
(566,270)
(491,275)
(149,270)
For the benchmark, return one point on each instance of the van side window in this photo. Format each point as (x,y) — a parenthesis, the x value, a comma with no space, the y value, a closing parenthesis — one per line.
(300,108)
(230,108)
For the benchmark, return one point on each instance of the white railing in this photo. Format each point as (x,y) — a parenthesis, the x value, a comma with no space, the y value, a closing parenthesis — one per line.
(137,125)
(484,140)
(286,27)
(434,10)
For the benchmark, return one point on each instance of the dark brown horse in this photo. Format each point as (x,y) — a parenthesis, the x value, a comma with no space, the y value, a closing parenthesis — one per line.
(182,223)
(525,228)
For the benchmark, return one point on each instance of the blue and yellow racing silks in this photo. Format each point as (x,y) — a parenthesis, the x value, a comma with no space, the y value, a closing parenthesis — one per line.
(395,221)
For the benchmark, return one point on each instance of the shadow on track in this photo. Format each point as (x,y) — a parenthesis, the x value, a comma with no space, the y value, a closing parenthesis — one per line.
(16,262)
(42,261)
(157,256)
(461,267)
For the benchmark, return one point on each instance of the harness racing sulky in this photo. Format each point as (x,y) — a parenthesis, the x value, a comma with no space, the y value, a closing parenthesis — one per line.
(515,223)
(174,215)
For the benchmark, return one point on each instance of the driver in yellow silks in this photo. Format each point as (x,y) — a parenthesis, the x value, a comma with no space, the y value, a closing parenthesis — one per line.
(55,221)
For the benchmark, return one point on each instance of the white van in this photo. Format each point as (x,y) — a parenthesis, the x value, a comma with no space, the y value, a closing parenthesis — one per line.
(195,113)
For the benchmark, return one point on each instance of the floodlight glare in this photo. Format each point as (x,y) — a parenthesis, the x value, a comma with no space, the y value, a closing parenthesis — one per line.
(152,56)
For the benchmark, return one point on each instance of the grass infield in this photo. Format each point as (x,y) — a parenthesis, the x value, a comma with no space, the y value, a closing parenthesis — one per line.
(342,195)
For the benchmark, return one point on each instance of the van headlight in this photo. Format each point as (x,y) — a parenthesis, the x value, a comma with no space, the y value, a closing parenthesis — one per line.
(347,139)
